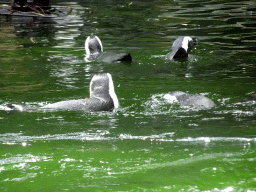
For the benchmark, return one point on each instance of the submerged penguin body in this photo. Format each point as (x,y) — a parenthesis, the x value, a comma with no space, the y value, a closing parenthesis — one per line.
(111,57)
(189,100)
(87,104)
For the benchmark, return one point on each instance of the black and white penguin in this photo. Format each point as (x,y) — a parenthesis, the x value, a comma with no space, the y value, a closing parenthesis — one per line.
(189,100)
(102,98)
(181,47)
(93,46)
(94,52)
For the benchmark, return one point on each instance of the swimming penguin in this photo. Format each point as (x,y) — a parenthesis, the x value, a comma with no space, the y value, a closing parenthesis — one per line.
(102,98)
(94,51)
(181,47)
(189,100)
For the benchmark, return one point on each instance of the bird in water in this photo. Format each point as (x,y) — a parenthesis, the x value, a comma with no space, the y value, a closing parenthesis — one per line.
(94,52)
(189,100)
(102,98)
(181,47)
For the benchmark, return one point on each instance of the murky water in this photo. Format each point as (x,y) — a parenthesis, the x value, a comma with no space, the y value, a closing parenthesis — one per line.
(147,144)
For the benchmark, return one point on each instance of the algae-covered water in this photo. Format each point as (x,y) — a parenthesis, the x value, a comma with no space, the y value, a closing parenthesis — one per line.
(147,144)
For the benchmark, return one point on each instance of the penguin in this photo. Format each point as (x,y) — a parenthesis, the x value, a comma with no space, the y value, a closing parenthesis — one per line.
(94,52)
(181,47)
(189,100)
(102,98)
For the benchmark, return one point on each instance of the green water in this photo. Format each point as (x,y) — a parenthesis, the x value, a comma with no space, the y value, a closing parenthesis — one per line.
(147,144)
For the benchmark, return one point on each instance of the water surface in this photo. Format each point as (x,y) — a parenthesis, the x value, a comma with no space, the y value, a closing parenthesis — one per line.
(147,144)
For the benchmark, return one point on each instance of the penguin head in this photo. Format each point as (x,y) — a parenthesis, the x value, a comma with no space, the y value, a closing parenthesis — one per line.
(102,87)
(93,45)
(188,43)
(192,43)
